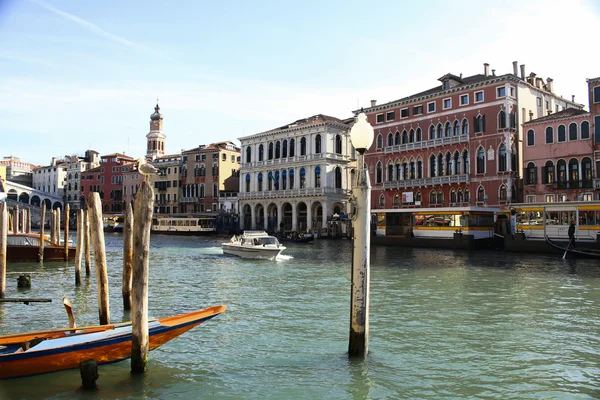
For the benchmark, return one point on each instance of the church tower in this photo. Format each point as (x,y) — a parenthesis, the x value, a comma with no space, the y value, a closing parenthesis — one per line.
(156,138)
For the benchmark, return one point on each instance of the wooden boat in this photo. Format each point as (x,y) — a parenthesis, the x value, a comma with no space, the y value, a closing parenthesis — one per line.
(574,251)
(26,247)
(55,350)
(253,244)
(294,237)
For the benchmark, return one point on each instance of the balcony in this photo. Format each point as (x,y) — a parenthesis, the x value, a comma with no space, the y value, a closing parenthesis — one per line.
(438,180)
(188,200)
(426,144)
(584,184)
(277,194)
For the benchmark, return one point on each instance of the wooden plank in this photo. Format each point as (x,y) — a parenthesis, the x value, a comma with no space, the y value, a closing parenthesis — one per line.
(25,300)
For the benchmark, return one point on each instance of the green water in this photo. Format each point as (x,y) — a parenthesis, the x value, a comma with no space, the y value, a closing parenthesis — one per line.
(444,325)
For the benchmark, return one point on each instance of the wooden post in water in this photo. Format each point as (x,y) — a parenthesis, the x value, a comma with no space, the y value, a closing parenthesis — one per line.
(67,232)
(16,219)
(28,221)
(144,204)
(88,255)
(22,217)
(79,248)
(57,226)
(3,239)
(42,238)
(97,234)
(127,257)
(52,223)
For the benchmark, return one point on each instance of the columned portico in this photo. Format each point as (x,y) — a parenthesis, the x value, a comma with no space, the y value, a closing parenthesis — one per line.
(294,215)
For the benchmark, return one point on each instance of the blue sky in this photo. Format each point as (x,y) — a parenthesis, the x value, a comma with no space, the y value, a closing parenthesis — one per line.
(77,75)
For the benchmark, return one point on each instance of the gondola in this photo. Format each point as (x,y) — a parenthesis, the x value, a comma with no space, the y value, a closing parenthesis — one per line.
(55,350)
(574,250)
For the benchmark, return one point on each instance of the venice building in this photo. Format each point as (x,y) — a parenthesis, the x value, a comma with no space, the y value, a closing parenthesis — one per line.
(459,143)
(295,177)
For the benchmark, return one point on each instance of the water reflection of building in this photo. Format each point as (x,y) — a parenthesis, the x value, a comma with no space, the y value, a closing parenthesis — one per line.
(297,176)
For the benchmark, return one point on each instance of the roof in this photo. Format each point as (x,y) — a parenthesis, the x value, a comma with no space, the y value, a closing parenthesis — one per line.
(566,113)
(119,155)
(315,119)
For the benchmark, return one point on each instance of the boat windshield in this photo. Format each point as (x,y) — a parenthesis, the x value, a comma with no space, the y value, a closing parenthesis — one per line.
(266,240)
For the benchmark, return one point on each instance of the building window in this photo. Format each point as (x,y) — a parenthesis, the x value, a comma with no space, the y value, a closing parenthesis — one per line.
(597,94)
(480,161)
(260,185)
(548,173)
(431,107)
(538,101)
(303,146)
(404,113)
(573,131)
(284,149)
(390,116)
(382,201)
(502,167)
(562,133)
(379,118)
(318,144)
(502,120)
(447,103)
(338,144)
(464,99)
(549,198)
(502,195)
(480,194)
(478,96)
(531,174)
(585,129)
(379,176)
(338,178)
(549,135)
(261,152)
(530,198)
(501,91)
(531,137)
(479,123)
(277,150)
(292,147)
(317,176)
(418,110)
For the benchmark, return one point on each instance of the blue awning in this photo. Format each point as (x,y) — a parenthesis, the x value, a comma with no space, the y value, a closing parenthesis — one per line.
(260,176)
(248,177)
(283,173)
(317,170)
(302,172)
(291,172)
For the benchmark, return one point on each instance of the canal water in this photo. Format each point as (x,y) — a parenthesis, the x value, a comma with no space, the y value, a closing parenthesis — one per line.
(444,324)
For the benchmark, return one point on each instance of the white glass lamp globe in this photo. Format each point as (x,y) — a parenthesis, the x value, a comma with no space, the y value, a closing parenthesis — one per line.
(361,133)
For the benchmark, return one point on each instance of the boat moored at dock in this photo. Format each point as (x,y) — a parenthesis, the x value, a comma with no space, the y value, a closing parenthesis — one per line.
(184,225)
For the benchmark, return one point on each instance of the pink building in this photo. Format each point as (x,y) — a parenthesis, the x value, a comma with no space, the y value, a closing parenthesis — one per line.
(559,157)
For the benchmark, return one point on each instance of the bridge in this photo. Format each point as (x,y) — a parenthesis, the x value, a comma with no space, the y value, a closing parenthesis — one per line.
(15,192)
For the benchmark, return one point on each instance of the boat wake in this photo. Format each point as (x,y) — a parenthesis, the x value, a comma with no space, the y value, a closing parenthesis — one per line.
(283,257)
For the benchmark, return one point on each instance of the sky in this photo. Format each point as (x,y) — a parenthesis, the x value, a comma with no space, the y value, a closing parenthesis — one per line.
(78,75)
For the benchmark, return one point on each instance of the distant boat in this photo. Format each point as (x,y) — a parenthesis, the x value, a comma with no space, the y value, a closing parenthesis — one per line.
(184,225)
(574,250)
(26,247)
(253,244)
(55,350)
(295,237)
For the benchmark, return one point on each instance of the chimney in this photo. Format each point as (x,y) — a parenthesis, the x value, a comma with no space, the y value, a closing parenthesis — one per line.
(530,115)
(493,72)
(53,162)
(538,83)
(531,79)
(486,69)
(515,68)
(523,71)
(373,103)
(549,84)
(573,98)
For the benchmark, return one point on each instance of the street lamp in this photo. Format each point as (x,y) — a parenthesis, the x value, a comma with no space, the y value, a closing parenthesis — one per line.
(361,136)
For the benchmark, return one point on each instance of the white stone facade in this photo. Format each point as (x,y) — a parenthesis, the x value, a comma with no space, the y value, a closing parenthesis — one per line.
(294,178)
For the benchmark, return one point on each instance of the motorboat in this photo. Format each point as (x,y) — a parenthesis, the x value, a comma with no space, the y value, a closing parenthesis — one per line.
(253,244)
(26,247)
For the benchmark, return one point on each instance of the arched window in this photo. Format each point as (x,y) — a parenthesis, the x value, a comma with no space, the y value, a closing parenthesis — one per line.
(530,137)
(338,178)
(404,137)
(284,179)
(379,141)
(452,197)
(75,186)
(479,124)
(432,169)
(248,154)
(574,172)
(202,187)
(382,201)
(448,166)
(419,169)
(465,127)
(317,176)
(562,171)
(411,136)
(531,174)
(573,134)
(303,146)
(502,167)
(270,150)
(502,195)
(318,144)
(396,202)
(390,171)
(278,149)
(467,195)
(586,172)
(440,165)
(418,197)
(215,190)
(70,176)
(276,183)
(585,130)
(76,176)
(291,177)
(440,131)
(431,132)
(456,128)
(549,135)
(397,138)
(432,197)
(457,163)
(548,176)
(390,139)
(261,152)
(69,197)
(480,161)
(247,183)
(419,135)
(448,129)
(379,172)
(398,170)
(562,133)
(502,120)
(302,178)
(412,170)
(480,194)
(338,144)
(404,170)
(459,196)
(260,184)
(284,149)
(292,148)
(440,198)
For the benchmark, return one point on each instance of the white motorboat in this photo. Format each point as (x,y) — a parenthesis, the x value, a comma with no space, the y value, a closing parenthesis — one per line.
(253,244)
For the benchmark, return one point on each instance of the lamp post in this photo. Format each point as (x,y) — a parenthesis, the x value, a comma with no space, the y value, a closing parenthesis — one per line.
(361,136)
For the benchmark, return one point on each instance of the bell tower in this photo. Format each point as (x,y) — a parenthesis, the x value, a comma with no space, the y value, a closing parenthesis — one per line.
(155,138)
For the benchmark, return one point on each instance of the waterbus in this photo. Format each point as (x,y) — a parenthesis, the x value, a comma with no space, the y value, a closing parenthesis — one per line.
(184,225)
(538,220)
(433,224)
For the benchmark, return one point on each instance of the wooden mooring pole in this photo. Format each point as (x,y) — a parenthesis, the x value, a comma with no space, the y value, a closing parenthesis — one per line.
(42,238)
(79,248)
(16,220)
(52,223)
(88,254)
(144,204)
(97,234)
(3,239)
(127,257)
(67,232)
(57,226)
